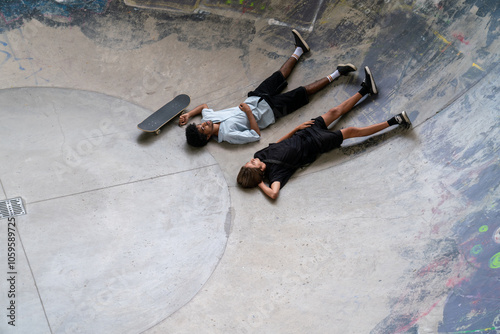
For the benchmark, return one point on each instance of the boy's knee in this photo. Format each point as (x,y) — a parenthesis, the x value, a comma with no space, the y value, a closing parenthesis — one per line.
(349,132)
(335,112)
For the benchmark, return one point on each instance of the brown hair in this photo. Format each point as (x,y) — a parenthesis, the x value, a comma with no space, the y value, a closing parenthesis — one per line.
(250,177)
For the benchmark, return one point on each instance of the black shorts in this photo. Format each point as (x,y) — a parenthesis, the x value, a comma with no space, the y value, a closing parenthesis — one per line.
(324,139)
(281,104)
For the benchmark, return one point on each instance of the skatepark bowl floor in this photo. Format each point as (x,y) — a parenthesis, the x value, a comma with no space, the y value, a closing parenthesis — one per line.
(130,232)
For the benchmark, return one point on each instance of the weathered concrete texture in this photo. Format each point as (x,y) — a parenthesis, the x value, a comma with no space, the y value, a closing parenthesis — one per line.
(111,224)
(397,233)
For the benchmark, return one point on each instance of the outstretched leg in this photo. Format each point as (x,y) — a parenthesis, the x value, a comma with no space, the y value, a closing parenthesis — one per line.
(367,87)
(333,114)
(301,47)
(353,132)
(342,69)
(288,66)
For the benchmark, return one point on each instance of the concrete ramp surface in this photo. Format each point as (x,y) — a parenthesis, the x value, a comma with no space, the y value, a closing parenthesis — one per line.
(129,232)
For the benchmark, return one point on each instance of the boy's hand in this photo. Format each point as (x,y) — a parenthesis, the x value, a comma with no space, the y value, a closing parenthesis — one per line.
(245,108)
(305,125)
(183,119)
(298,128)
(251,118)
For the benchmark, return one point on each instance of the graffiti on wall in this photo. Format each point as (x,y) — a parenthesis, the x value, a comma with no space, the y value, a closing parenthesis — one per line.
(13,15)
(13,11)
(473,303)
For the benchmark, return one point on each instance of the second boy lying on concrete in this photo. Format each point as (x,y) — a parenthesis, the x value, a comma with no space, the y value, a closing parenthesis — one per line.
(302,145)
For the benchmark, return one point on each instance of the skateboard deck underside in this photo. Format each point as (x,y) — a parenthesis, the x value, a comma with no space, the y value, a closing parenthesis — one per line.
(163,115)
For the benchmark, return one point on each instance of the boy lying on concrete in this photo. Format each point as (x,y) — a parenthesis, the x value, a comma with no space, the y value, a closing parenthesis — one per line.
(242,124)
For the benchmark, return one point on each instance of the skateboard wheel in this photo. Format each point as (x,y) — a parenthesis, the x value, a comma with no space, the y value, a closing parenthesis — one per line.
(157,132)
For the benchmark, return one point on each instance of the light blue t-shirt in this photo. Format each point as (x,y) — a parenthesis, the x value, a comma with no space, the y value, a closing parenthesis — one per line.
(234,124)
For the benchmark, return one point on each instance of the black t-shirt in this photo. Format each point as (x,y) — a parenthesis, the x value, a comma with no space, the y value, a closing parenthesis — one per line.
(299,150)
(292,153)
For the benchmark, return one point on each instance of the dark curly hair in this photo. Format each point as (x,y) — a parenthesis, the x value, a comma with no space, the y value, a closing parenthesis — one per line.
(194,137)
(250,177)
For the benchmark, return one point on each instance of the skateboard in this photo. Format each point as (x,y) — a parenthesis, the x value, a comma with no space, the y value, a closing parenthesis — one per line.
(163,115)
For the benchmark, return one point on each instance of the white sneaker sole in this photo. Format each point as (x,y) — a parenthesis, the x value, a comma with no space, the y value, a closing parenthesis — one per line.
(297,34)
(406,118)
(349,65)
(372,81)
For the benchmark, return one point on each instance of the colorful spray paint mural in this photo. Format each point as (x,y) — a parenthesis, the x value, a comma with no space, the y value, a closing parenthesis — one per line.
(13,11)
(474,303)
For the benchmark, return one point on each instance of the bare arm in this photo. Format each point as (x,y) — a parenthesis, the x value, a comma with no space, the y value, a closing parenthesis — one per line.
(253,123)
(300,127)
(273,191)
(184,118)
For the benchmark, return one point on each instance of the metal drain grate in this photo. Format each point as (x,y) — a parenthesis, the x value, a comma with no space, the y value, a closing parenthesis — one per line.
(12,207)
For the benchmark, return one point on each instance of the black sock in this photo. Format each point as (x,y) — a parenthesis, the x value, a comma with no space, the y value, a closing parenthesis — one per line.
(364,90)
(392,121)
